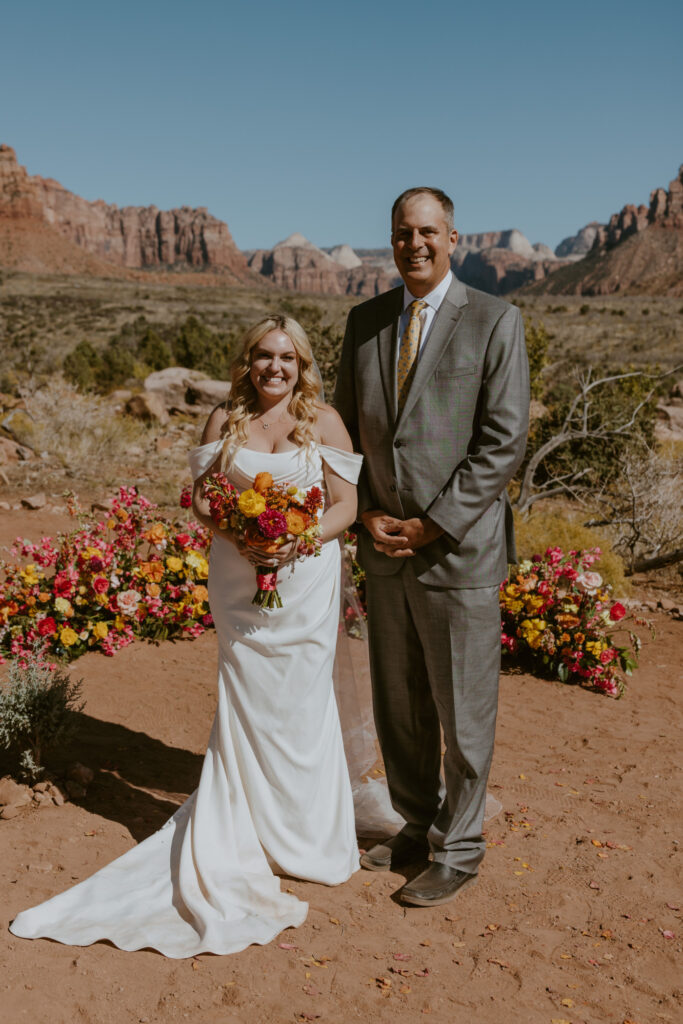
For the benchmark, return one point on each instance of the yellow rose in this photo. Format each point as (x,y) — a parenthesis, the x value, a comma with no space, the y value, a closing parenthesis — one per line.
(251,503)
(197,562)
(119,622)
(30,575)
(100,630)
(67,637)
(174,564)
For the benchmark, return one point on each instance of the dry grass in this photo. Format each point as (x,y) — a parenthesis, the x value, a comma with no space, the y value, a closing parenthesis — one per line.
(561,527)
(76,429)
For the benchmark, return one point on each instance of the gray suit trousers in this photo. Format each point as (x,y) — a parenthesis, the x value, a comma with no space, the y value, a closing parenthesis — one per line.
(435,656)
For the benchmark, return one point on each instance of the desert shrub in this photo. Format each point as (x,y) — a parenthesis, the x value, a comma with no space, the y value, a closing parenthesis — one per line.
(559,528)
(117,366)
(325,338)
(38,711)
(76,427)
(585,309)
(197,347)
(610,405)
(81,364)
(153,351)
(537,340)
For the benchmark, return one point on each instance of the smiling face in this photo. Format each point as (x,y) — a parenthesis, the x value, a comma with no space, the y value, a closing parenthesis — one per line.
(274,367)
(422,242)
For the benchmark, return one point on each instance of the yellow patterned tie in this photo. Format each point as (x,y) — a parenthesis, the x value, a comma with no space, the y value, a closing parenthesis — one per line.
(407,353)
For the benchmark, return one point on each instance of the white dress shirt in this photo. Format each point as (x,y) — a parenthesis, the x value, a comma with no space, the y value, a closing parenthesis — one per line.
(433,300)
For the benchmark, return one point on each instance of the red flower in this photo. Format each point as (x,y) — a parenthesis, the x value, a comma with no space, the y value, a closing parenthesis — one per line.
(47,626)
(272,523)
(100,584)
(186,498)
(616,612)
(62,586)
(182,539)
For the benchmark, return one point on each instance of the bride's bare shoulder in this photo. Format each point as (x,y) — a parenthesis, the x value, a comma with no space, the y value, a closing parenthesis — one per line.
(213,429)
(331,429)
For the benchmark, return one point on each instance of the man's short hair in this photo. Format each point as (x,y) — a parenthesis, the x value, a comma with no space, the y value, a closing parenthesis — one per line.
(441,197)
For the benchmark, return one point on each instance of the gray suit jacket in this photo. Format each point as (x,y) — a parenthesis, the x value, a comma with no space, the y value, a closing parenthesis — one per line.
(459,439)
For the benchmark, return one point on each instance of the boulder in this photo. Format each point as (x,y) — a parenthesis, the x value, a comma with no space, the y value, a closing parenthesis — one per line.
(80,773)
(148,406)
(34,502)
(14,793)
(207,392)
(75,790)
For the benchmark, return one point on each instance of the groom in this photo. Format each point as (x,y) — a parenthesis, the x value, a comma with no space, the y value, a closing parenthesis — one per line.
(434,389)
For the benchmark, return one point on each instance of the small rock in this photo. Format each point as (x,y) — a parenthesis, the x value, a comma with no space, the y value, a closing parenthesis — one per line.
(5,506)
(42,799)
(10,811)
(148,405)
(41,787)
(667,605)
(58,796)
(75,790)
(14,793)
(81,774)
(163,444)
(35,502)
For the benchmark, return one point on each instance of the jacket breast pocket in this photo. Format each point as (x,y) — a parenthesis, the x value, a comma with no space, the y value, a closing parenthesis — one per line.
(457,371)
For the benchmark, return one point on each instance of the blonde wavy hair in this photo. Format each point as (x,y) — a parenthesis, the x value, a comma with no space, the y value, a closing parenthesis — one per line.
(243,402)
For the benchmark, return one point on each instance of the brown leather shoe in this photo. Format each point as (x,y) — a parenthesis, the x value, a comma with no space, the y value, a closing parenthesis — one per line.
(438,884)
(395,853)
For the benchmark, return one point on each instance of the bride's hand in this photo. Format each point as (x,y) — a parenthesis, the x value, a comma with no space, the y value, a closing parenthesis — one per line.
(285,553)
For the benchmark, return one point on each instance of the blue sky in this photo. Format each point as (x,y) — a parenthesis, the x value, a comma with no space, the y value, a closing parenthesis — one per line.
(312,117)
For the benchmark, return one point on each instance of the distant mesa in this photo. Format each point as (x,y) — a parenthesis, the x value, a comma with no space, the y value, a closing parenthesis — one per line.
(43,226)
(639,251)
(299,265)
(501,261)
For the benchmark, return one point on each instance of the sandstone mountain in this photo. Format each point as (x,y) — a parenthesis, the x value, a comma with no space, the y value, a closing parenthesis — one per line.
(43,226)
(299,265)
(640,251)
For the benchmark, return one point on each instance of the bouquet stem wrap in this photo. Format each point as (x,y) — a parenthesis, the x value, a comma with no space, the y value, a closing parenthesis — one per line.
(267,595)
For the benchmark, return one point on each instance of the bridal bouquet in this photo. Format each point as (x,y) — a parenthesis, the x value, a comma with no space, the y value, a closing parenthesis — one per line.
(264,517)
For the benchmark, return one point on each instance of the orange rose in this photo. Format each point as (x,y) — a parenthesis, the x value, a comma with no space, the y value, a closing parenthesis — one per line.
(156,534)
(152,571)
(262,481)
(296,521)
(153,589)
(200,594)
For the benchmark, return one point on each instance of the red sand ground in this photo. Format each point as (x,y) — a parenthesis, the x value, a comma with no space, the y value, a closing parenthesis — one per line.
(565,925)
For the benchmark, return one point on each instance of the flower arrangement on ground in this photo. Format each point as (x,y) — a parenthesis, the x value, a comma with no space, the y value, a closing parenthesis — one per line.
(264,517)
(559,619)
(131,574)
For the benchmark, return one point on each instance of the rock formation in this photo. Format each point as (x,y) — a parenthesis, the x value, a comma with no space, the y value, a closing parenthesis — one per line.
(639,251)
(576,246)
(299,265)
(132,236)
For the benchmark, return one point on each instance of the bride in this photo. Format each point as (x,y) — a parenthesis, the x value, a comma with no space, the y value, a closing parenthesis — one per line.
(274,795)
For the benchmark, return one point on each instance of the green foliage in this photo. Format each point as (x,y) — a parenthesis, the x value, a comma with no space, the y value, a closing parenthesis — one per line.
(537,341)
(612,404)
(325,338)
(140,347)
(38,708)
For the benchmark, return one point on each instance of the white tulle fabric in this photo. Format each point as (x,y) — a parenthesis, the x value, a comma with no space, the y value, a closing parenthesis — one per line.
(274,793)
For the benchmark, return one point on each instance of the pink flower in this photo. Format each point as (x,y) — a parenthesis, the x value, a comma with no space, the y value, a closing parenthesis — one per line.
(128,602)
(569,573)
(553,555)
(607,656)
(616,612)
(589,581)
(544,588)
(100,584)
(272,523)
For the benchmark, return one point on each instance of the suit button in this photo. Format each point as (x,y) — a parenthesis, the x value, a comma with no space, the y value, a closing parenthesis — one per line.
(397,444)
(393,488)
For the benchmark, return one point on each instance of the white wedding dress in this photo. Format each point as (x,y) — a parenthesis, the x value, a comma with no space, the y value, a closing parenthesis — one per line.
(274,795)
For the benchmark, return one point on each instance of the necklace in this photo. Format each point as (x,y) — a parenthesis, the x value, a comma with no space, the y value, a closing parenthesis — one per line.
(267,426)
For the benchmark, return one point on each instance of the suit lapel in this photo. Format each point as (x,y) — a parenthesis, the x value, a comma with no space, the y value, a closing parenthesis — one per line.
(387,323)
(443,329)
